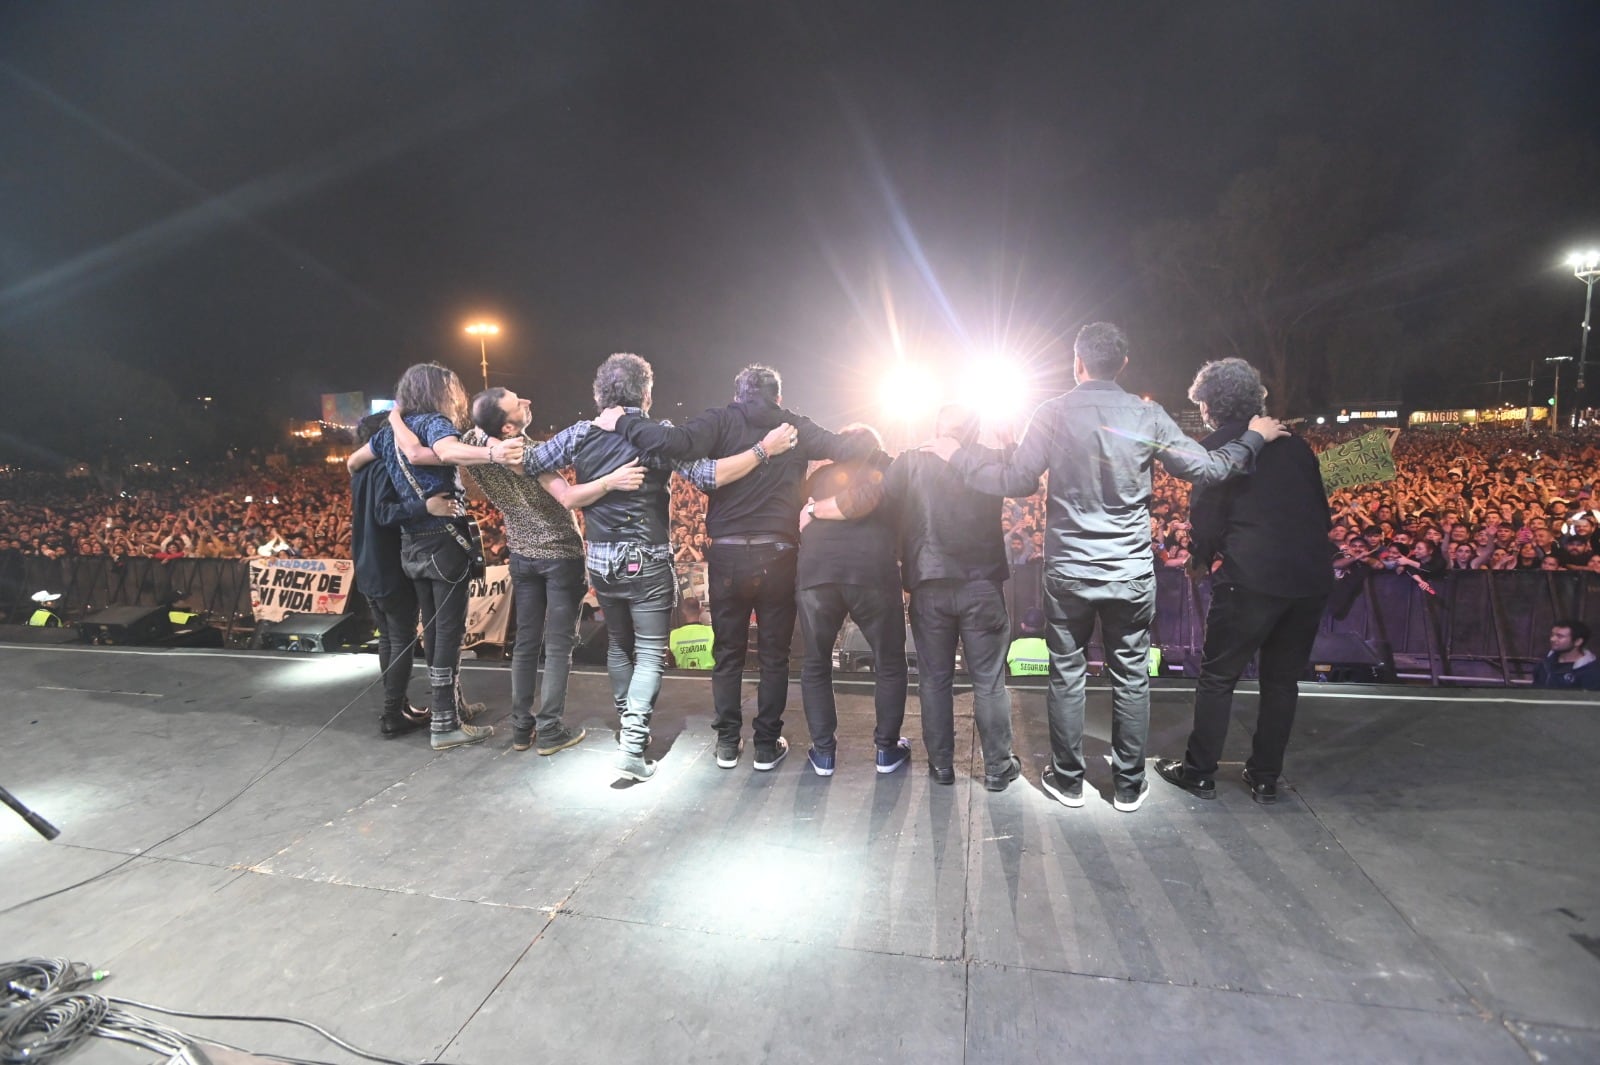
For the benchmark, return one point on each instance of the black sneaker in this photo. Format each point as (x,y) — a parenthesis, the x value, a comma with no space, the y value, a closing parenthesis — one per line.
(1130,799)
(768,755)
(400,724)
(559,739)
(521,738)
(728,753)
(1059,790)
(999,781)
(942,774)
(1264,792)
(1178,774)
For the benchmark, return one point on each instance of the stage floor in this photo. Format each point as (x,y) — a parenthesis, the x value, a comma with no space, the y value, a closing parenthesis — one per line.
(1428,889)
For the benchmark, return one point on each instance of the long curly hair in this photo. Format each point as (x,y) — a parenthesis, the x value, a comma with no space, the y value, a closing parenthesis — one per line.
(428,388)
(1231,389)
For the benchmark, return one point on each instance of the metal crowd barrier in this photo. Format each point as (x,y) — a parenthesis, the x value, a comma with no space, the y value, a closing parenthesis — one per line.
(1480,626)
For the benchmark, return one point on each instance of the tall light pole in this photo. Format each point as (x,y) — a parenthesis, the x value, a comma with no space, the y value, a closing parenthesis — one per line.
(1586,268)
(1555,394)
(483,331)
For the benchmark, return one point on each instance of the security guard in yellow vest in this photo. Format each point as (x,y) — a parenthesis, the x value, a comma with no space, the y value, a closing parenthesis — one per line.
(43,617)
(1028,656)
(690,643)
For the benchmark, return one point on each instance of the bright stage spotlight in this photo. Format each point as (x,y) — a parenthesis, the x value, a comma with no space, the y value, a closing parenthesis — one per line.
(998,389)
(908,392)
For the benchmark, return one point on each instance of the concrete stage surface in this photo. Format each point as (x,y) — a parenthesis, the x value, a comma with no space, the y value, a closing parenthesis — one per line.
(1428,889)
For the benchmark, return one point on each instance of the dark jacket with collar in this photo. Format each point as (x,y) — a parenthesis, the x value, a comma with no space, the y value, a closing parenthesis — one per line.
(1582,675)
(375,515)
(1270,528)
(766,501)
(948,530)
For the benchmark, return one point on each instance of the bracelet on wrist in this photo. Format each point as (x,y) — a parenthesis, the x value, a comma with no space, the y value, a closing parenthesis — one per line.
(761,453)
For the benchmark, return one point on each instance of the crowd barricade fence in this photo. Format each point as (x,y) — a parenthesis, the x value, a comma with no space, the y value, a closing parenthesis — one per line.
(1481,626)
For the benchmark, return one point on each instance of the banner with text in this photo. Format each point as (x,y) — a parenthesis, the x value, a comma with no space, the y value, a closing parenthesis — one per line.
(1365,460)
(489,608)
(283,586)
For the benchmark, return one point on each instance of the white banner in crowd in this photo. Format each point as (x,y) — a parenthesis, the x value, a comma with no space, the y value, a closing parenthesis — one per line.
(283,586)
(489,608)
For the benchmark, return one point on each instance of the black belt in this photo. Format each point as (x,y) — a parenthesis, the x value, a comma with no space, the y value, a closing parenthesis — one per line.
(758,538)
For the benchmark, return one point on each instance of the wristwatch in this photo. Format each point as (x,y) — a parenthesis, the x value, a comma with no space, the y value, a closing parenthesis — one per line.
(810,509)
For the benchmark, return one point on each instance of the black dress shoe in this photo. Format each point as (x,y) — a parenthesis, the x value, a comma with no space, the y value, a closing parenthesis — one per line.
(942,774)
(394,725)
(1264,792)
(1175,772)
(998,781)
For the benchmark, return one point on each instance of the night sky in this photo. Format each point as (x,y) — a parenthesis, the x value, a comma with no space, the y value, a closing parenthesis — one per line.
(262,202)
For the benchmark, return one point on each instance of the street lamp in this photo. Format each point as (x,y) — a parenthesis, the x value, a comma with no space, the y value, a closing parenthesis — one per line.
(1555,395)
(483,330)
(1586,268)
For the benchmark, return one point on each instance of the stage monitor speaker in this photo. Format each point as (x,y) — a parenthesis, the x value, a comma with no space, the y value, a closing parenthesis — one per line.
(123,625)
(1345,658)
(39,634)
(312,632)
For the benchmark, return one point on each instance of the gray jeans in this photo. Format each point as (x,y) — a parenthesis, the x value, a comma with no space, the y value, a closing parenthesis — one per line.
(548,593)
(973,612)
(1124,610)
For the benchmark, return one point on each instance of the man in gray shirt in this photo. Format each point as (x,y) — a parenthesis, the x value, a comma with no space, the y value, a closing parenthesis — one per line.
(1098,443)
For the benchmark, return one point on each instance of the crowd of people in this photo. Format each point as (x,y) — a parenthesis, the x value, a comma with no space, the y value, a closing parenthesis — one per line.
(1484,498)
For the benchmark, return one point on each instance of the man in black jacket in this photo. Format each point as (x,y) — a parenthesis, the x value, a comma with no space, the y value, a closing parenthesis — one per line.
(1268,595)
(628,538)
(847,568)
(754,527)
(375,515)
(1098,444)
(953,562)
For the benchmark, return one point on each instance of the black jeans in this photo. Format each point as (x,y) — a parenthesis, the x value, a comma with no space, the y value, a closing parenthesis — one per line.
(879,613)
(396,618)
(745,578)
(548,594)
(638,611)
(438,568)
(1125,610)
(1240,623)
(975,613)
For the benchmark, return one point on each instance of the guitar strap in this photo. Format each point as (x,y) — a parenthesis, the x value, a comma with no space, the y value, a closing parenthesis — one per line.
(474,554)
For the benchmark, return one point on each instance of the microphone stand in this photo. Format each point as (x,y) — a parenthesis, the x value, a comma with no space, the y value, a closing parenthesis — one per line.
(39,824)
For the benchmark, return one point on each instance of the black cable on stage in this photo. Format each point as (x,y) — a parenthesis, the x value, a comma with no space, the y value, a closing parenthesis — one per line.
(44,1014)
(264,1018)
(44,1029)
(31,978)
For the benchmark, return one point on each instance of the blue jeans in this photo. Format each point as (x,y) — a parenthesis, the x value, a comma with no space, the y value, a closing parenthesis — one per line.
(1124,610)
(548,592)
(638,610)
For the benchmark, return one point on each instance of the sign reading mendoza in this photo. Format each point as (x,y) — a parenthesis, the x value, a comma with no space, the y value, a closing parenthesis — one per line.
(283,586)
(1365,460)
